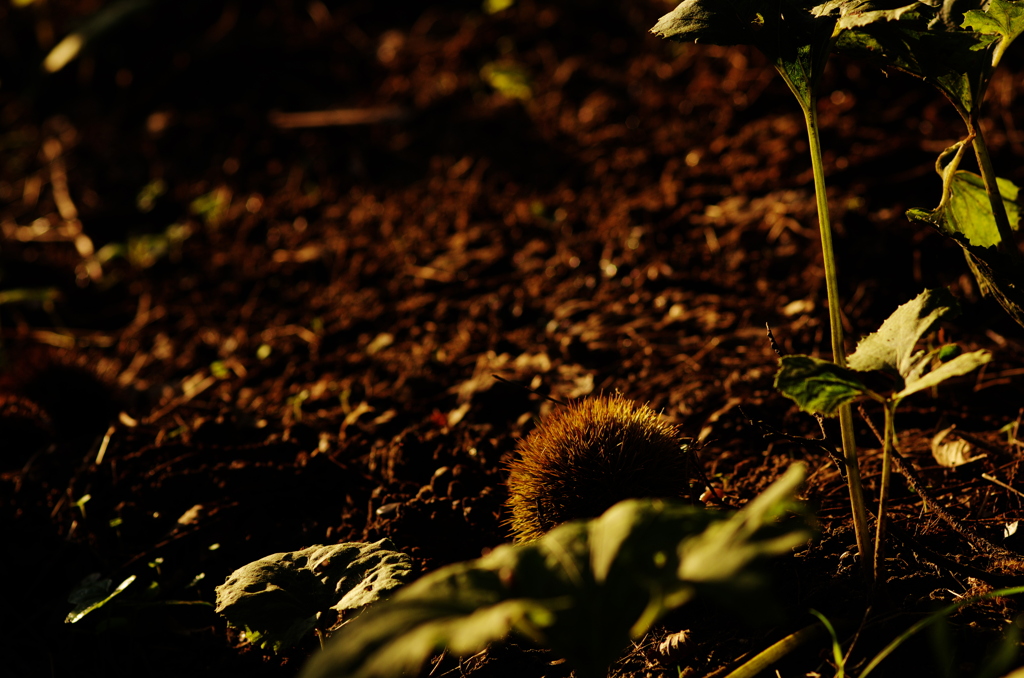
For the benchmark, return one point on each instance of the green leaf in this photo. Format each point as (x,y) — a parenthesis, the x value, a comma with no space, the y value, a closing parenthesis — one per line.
(716,23)
(891,348)
(968,212)
(718,560)
(958,366)
(582,590)
(112,15)
(91,595)
(508,77)
(856,13)
(794,39)
(819,386)
(277,598)
(965,215)
(922,44)
(1004,18)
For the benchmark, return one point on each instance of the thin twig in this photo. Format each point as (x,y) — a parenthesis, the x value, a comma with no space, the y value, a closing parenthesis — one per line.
(917,485)
(823,444)
(337,117)
(527,388)
(940,560)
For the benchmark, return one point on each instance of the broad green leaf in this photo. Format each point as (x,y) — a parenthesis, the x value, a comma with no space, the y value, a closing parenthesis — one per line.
(891,348)
(922,44)
(856,13)
(716,23)
(968,212)
(582,590)
(277,598)
(721,553)
(819,386)
(1003,18)
(958,366)
(794,39)
(92,595)
(966,217)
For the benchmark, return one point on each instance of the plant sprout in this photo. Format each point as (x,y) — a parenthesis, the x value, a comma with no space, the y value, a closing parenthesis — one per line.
(821,387)
(797,38)
(939,42)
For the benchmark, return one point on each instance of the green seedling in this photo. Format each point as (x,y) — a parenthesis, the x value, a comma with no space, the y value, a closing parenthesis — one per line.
(762,661)
(954,50)
(110,17)
(939,616)
(797,37)
(583,590)
(837,649)
(92,594)
(509,78)
(280,599)
(113,610)
(957,51)
(888,357)
(144,251)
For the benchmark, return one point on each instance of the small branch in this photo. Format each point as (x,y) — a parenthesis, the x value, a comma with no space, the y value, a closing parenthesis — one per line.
(822,444)
(917,485)
(771,341)
(940,560)
(337,117)
(527,388)
(883,492)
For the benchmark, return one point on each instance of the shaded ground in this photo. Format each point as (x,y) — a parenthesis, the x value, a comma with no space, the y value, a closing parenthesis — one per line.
(303,333)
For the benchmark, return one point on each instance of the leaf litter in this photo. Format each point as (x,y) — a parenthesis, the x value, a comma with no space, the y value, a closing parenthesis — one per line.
(564,225)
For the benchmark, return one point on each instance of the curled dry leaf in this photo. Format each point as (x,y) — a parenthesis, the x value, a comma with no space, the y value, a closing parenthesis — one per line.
(953,453)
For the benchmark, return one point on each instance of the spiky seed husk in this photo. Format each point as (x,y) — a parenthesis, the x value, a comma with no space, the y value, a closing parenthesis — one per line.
(589,455)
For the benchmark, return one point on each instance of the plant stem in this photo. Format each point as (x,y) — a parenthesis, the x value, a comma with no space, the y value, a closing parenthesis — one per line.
(888,437)
(1007,244)
(860,520)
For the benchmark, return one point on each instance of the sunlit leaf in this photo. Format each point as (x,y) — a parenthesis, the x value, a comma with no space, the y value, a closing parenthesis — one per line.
(818,386)
(1003,18)
(953,453)
(582,590)
(891,347)
(966,217)
(968,212)
(716,23)
(277,598)
(509,78)
(794,39)
(91,595)
(495,6)
(920,43)
(958,366)
(110,16)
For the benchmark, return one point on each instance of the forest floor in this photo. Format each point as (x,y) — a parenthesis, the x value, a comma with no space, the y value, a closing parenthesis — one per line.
(254,332)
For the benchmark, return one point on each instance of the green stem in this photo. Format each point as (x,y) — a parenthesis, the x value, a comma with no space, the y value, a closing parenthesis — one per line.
(888,436)
(860,519)
(1007,244)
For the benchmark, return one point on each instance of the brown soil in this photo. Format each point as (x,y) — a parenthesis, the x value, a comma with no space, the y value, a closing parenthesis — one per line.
(317,342)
